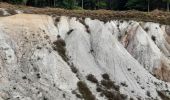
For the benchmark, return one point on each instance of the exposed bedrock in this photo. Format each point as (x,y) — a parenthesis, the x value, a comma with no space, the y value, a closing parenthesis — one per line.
(67,58)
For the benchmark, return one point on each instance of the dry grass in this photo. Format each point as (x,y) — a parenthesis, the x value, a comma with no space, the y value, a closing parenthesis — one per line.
(104,15)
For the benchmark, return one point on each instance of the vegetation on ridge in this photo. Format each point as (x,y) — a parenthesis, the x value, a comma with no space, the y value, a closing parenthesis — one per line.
(144,5)
(103,15)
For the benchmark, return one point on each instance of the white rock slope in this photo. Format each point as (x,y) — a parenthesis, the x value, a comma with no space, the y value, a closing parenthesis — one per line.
(74,58)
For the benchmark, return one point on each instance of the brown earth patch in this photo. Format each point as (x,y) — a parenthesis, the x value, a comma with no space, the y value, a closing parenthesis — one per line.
(162,73)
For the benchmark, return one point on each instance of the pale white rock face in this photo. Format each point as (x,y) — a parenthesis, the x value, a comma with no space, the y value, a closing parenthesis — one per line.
(31,69)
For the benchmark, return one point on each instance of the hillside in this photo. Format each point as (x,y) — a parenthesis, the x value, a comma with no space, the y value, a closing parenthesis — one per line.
(46,56)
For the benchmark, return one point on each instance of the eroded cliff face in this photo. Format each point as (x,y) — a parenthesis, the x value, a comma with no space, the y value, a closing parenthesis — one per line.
(64,58)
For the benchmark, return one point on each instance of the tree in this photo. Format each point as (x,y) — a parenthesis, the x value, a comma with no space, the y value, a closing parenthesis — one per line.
(24,2)
(139,4)
(144,5)
(82,4)
(101,4)
(167,3)
(148,1)
(89,4)
(70,4)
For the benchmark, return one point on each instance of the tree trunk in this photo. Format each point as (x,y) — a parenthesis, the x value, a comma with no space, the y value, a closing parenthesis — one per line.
(54,4)
(97,4)
(148,5)
(82,4)
(168,6)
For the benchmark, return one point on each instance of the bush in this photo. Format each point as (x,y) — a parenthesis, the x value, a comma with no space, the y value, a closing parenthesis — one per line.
(59,46)
(108,89)
(106,76)
(38,75)
(85,91)
(146,29)
(153,38)
(73,69)
(70,31)
(116,87)
(92,78)
(124,84)
(98,89)
(60,42)
(24,77)
(148,94)
(107,84)
(112,95)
